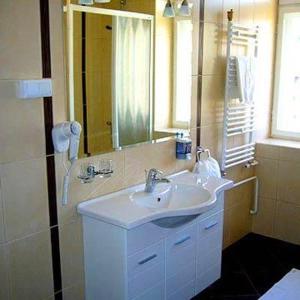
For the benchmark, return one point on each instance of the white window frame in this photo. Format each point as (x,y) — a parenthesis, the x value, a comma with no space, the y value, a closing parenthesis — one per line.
(275,132)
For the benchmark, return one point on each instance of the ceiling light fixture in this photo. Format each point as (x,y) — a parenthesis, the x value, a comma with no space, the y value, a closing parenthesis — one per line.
(181,8)
(169,11)
(91,2)
(184,10)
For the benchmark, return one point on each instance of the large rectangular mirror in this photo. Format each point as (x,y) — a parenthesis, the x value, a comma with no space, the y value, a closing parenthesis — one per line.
(129,73)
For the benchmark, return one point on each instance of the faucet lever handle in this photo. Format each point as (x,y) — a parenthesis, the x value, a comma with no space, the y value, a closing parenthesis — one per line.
(159,172)
(154,173)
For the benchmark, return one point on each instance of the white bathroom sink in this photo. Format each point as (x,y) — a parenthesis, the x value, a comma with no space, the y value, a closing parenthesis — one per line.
(172,196)
(132,207)
(159,198)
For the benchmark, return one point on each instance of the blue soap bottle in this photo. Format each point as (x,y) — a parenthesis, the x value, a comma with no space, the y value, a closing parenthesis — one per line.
(183,147)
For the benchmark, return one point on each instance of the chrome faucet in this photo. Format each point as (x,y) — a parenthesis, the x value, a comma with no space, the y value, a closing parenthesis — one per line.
(153,177)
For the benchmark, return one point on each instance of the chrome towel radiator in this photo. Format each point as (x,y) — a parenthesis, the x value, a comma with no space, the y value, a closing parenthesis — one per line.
(238,146)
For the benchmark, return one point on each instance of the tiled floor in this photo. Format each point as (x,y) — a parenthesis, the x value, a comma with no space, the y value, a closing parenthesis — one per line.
(250,267)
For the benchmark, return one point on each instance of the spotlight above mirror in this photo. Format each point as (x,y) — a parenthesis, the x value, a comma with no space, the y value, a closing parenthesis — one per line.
(91,2)
(177,8)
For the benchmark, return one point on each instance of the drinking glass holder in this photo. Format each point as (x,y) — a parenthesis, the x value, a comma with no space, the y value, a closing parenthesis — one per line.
(90,173)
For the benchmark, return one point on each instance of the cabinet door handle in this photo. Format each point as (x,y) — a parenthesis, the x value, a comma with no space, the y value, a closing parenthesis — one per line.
(211,225)
(147,259)
(182,241)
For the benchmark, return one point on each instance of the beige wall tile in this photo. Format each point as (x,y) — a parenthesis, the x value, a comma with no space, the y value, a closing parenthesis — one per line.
(31,267)
(212,47)
(24,191)
(20,55)
(263,222)
(226,229)
(290,154)
(212,102)
(267,151)
(195,20)
(213,11)
(75,292)
(4,274)
(160,156)
(22,122)
(2,231)
(288,182)
(239,173)
(81,192)
(240,221)
(237,218)
(246,12)
(287,222)
(211,137)
(195,81)
(241,194)
(265,10)
(71,251)
(267,172)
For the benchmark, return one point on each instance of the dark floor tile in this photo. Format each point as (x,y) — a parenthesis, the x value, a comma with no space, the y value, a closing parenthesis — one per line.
(229,285)
(230,263)
(263,260)
(252,266)
(218,297)
(287,254)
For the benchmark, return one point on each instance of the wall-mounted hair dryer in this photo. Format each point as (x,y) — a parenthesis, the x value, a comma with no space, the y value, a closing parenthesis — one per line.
(66,136)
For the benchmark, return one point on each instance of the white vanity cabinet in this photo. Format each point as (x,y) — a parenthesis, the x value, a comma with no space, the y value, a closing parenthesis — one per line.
(149,262)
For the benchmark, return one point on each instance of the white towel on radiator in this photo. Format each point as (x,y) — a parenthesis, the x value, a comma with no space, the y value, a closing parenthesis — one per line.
(288,288)
(245,72)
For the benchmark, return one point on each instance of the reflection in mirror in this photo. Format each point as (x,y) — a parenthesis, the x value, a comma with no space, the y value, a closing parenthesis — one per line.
(115,91)
(112,80)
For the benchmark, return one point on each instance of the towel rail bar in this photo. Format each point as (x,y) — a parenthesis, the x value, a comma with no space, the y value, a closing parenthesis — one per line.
(247,150)
(239,147)
(254,209)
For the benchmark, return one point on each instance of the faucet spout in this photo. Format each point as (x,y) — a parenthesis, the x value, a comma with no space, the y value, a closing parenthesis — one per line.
(153,178)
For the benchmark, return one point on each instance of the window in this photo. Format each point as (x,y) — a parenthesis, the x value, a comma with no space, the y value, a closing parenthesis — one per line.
(286,112)
(183,70)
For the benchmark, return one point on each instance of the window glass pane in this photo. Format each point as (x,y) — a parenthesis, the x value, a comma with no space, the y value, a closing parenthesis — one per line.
(183,65)
(288,105)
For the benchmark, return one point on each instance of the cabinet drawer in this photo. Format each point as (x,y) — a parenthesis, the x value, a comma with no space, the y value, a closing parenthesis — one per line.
(180,250)
(145,259)
(210,226)
(185,293)
(146,280)
(144,236)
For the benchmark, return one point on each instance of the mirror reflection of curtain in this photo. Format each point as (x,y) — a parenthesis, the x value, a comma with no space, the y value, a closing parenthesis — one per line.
(132,71)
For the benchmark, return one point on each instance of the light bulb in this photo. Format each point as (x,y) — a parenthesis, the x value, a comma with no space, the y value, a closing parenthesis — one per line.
(169,10)
(184,10)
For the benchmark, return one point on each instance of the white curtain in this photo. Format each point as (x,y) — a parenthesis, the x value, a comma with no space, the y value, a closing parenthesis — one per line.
(132,67)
